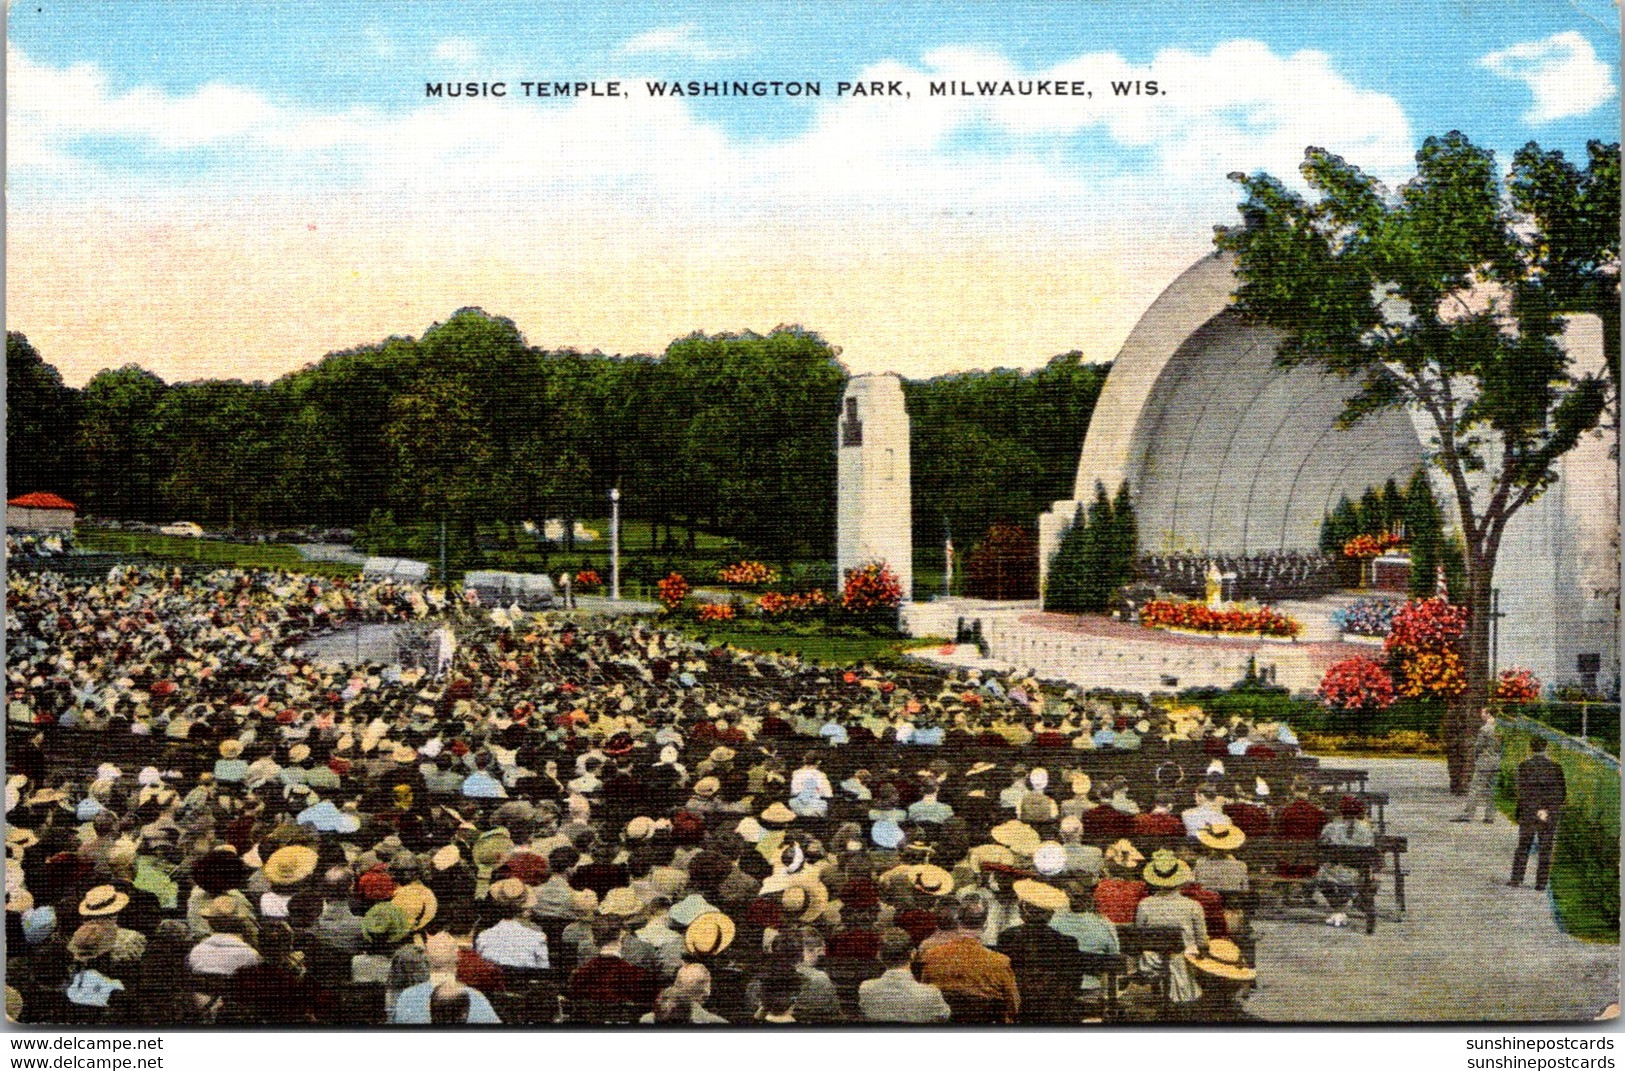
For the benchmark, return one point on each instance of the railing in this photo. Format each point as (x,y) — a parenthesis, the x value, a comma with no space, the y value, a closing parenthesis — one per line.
(1595,722)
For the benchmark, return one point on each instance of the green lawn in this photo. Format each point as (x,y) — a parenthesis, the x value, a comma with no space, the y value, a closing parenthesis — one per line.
(207,551)
(824,650)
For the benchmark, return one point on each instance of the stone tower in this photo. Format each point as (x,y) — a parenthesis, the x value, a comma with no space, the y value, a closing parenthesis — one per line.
(872,511)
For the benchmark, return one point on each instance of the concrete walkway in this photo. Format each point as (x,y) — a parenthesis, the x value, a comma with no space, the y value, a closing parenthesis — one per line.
(1469,948)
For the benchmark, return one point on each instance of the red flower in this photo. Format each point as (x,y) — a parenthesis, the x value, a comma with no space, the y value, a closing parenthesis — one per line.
(871,587)
(672,592)
(1517,686)
(1357,684)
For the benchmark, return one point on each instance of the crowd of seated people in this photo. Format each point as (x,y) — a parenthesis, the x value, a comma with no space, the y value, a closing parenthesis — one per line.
(600,822)
(1261,577)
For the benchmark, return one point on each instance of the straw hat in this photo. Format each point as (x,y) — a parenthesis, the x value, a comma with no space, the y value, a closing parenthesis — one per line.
(93,939)
(1166,870)
(932,880)
(20,839)
(290,865)
(1222,960)
(418,903)
(1224,836)
(706,787)
(1124,854)
(805,902)
(1019,837)
(990,855)
(640,828)
(231,749)
(620,903)
(103,900)
(778,814)
(709,934)
(446,857)
(509,892)
(1040,895)
(298,753)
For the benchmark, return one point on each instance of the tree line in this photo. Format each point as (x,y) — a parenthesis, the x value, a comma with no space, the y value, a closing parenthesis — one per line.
(470,424)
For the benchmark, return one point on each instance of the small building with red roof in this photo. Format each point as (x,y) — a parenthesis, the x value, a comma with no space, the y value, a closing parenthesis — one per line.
(40,511)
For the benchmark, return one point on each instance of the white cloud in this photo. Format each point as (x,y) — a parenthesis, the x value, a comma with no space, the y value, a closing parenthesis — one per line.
(1562,71)
(683,41)
(458,50)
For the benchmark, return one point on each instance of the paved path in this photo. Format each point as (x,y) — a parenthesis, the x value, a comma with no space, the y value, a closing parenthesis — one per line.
(1470,948)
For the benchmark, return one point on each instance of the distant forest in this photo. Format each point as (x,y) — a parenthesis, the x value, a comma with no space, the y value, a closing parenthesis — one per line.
(732,434)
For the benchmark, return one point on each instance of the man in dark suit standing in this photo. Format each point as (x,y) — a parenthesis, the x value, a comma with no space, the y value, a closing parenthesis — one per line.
(1542,792)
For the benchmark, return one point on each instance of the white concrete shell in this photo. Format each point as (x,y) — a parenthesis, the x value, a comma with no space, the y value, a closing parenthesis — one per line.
(1226,452)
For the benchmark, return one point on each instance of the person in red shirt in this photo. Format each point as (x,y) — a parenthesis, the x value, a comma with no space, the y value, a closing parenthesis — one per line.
(1104,822)
(1160,821)
(606,978)
(1118,894)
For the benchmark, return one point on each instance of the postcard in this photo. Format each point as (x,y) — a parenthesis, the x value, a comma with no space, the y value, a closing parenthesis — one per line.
(561,515)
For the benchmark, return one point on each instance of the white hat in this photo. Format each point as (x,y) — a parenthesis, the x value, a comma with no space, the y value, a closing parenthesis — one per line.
(149,775)
(1049,859)
(108,772)
(1039,779)
(1260,787)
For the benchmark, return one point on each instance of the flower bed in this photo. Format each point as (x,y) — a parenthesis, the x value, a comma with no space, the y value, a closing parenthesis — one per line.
(716,611)
(1368,617)
(749,574)
(1370,546)
(792,604)
(1228,620)
(1517,686)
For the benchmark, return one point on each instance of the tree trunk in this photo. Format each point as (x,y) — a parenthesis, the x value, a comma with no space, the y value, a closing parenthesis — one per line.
(1461,712)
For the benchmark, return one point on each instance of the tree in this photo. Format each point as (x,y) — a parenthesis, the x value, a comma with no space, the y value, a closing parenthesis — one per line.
(41,416)
(1424,528)
(1433,298)
(124,462)
(1063,591)
(1004,565)
(1576,214)
(1124,543)
(1097,586)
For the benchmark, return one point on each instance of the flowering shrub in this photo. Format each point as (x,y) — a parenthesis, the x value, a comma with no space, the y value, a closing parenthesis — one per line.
(748,574)
(716,611)
(1356,684)
(588,580)
(672,591)
(1517,686)
(869,588)
(781,604)
(1400,742)
(1370,546)
(1426,625)
(1432,673)
(1199,617)
(1368,617)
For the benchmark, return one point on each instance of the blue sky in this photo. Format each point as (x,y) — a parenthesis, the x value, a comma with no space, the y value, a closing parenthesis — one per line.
(294,139)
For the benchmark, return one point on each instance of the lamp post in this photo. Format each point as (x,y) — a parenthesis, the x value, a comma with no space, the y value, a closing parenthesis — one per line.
(615,543)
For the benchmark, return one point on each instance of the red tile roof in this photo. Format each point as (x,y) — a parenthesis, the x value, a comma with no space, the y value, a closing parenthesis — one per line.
(40,500)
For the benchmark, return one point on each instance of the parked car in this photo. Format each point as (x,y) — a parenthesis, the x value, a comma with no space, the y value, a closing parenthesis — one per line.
(183,528)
